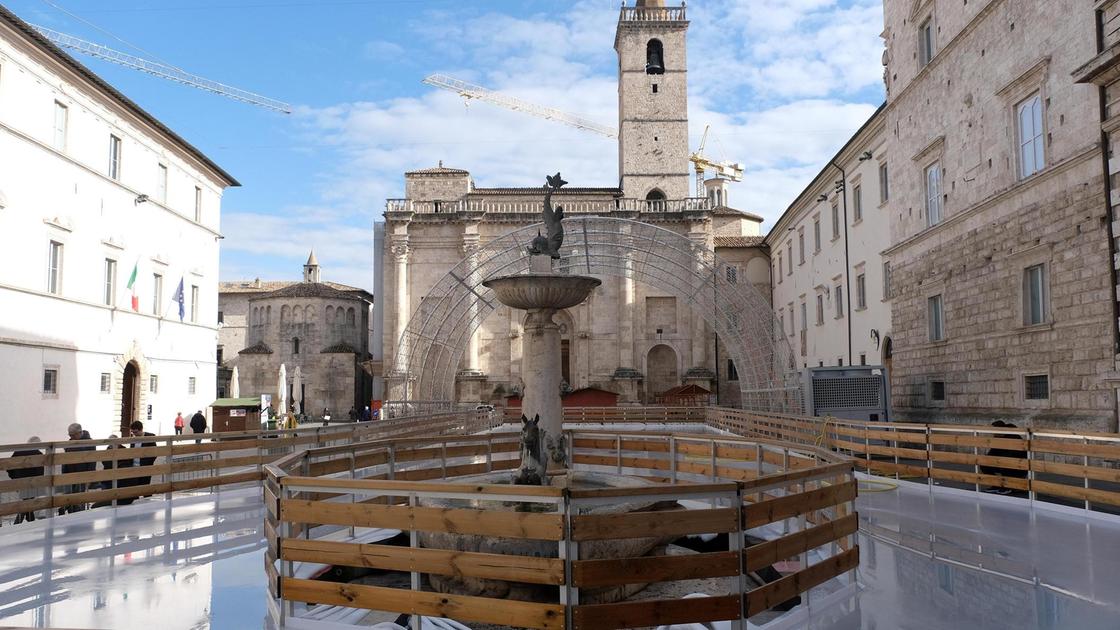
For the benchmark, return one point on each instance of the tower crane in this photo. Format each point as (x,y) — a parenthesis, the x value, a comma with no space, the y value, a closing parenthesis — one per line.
(471,91)
(159,69)
(729,170)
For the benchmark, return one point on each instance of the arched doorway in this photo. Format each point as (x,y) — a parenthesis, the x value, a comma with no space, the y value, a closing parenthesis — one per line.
(130,395)
(661,371)
(888,350)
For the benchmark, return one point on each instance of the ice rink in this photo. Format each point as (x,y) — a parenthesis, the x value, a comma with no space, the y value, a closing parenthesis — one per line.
(930,559)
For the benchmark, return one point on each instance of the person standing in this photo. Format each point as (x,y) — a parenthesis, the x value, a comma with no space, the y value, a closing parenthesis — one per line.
(27,494)
(353,414)
(198,424)
(179,422)
(137,430)
(77,434)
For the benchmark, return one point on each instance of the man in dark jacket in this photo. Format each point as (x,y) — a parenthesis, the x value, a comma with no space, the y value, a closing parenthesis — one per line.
(137,429)
(198,423)
(25,473)
(77,434)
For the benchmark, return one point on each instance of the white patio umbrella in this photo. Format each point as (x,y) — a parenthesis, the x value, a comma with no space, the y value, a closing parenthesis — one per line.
(234,385)
(297,391)
(282,392)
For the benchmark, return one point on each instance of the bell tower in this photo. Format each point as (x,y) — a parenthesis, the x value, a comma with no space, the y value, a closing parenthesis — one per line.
(652,101)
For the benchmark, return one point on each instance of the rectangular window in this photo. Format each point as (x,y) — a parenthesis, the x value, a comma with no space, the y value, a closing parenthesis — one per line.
(933,194)
(153,384)
(106,380)
(839,302)
(50,381)
(781,268)
(863,358)
(791,320)
(110,296)
(884,184)
(221,317)
(61,122)
(54,268)
(861,291)
(194,304)
(161,184)
(840,361)
(835,221)
(782,321)
(197,204)
(935,316)
(1036,387)
(925,43)
(157,293)
(114,157)
(221,352)
(816,234)
(801,246)
(1034,295)
(820,309)
(857,203)
(732,274)
(887,280)
(937,391)
(789,254)
(732,373)
(1032,155)
(191,383)
(804,317)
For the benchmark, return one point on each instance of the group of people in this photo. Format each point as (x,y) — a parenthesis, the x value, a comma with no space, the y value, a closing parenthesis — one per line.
(198,423)
(362,416)
(118,457)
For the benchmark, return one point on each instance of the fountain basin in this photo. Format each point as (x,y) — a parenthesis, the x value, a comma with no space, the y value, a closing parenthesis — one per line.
(541,290)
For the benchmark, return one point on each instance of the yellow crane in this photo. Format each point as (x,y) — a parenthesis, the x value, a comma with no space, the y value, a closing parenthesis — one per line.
(725,169)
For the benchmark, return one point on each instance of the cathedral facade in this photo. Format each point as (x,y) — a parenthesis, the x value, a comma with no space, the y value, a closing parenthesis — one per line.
(634,339)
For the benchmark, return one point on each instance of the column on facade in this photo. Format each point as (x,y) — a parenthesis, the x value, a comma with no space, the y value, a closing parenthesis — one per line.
(470,246)
(400,251)
(626,318)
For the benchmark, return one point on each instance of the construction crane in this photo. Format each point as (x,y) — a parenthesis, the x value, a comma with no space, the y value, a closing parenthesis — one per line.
(159,69)
(729,170)
(471,91)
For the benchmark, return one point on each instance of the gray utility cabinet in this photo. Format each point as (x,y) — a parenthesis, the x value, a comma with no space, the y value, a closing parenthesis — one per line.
(854,392)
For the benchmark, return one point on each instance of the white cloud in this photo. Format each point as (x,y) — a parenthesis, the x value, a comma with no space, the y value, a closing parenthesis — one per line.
(783,82)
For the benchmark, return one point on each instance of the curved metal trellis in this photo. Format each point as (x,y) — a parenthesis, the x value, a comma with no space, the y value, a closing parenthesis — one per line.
(429,351)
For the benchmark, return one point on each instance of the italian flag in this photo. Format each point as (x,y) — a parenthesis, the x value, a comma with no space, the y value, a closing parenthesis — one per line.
(132,286)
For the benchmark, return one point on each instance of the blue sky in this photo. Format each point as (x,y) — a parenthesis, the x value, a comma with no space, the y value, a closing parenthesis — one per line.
(782,82)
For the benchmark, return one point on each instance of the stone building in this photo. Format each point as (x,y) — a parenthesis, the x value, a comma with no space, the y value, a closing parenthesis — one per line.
(93,189)
(1002,302)
(631,338)
(830,282)
(321,327)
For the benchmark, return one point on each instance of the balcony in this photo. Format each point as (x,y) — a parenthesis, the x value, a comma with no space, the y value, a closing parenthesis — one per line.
(595,206)
(652,14)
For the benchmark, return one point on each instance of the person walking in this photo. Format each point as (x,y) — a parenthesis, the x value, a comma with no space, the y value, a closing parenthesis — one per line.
(179,422)
(198,424)
(353,414)
(137,430)
(77,434)
(27,494)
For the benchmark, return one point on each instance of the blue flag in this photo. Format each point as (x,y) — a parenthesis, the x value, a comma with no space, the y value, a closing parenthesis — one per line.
(179,299)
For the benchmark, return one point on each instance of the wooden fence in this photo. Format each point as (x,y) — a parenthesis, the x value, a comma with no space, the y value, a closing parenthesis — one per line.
(77,474)
(1043,464)
(320,503)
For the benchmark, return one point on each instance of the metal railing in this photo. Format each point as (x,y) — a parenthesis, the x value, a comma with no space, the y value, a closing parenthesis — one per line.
(529,206)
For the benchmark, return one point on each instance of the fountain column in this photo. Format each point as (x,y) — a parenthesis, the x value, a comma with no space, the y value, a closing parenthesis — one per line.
(541,372)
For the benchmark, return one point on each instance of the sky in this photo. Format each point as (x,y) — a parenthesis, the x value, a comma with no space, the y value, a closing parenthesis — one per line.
(783,84)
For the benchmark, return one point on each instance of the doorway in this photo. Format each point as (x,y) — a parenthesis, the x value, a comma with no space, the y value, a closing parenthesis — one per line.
(661,371)
(130,395)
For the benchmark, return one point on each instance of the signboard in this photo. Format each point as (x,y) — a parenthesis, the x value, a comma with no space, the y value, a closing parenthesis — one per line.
(149,413)
(237,413)
(376,405)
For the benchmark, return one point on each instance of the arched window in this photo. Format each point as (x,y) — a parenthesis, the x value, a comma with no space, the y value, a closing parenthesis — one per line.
(295,345)
(330,315)
(350,317)
(655,195)
(655,201)
(297,314)
(285,314)
(309,314)
(254,317)
(268,315)
(655,57)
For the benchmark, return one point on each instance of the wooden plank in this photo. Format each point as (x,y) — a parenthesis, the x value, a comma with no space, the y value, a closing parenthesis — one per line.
(890,468)
(441,562)
(221,480)
(789,478)
(773,551)
(272,577)
(657,612)
(997,481)
(429,519)
(1105,451)
(1014,444)
(405,487)
(461,608)
(96,457)
(970,459)
(271,539)
(765,512)
(1093,495)
(616,571)
(766,597)
(271,501)
(641,491)
(1077,470)
(215,464)
(653,524)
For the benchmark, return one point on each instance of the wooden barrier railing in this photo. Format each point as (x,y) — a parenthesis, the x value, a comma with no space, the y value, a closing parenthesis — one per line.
(627,415)
(321,503)
(80,473)
(1045,464)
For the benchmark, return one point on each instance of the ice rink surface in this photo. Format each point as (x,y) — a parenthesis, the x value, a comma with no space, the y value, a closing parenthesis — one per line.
(931,559)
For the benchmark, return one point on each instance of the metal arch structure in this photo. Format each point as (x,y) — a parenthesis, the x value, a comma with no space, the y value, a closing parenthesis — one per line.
(428,354)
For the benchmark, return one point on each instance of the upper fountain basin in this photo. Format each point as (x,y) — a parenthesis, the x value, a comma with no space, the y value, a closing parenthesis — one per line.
(538,290)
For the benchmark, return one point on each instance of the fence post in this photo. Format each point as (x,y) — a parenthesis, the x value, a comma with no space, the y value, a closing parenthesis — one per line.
(1030,468)
(618,454)
(50,473)
(737,543)
(414,577)
(1085,477)
(976,460)
(672,458)
(168,477)
(566,587)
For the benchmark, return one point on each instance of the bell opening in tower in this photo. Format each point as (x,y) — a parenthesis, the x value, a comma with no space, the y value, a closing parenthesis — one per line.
(655,57)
